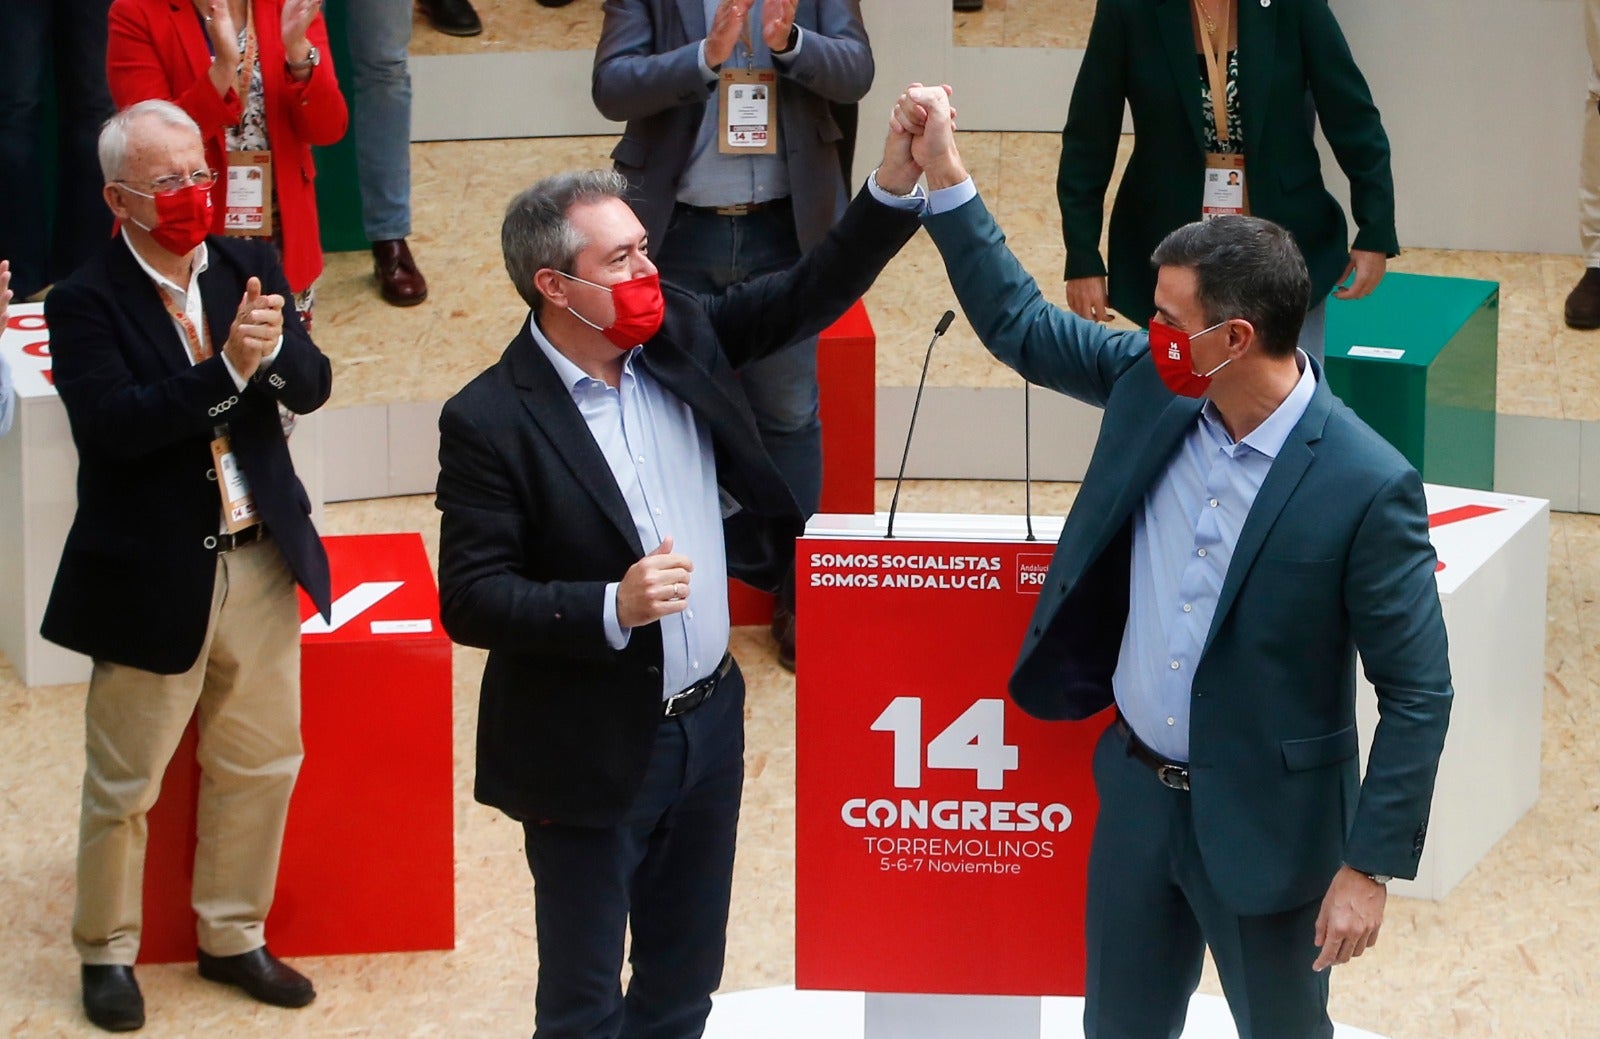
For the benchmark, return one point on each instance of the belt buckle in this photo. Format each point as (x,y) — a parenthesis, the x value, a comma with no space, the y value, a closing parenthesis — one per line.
(737,209)
(1173,777)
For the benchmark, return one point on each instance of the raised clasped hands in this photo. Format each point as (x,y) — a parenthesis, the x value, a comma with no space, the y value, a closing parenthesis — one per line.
(654,587)
(922,128)
(257,327)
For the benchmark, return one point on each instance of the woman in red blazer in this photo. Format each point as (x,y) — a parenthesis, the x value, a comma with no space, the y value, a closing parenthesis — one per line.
(194,53)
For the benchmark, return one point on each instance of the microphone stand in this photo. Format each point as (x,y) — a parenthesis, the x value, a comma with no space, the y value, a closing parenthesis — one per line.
(939,330)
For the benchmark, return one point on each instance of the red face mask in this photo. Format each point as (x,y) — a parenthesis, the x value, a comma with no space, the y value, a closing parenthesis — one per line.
(639,306)
(1171,351)
(183,217)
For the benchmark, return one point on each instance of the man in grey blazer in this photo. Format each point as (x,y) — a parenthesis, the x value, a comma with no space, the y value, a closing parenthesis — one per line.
(724,201)
(1240,534)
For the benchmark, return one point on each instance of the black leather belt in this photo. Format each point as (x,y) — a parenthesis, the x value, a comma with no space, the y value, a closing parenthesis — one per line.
(737,209)
(700,692)
(229,542)
(1172,775)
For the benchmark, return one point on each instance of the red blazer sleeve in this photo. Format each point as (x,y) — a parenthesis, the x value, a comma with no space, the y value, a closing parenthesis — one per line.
(316,108)
(158,50)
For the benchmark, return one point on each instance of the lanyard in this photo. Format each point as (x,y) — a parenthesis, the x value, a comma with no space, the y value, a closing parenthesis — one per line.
(1216,64)
(199,339)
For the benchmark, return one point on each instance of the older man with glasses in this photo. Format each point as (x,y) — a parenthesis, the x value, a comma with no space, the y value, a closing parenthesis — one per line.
(172,351)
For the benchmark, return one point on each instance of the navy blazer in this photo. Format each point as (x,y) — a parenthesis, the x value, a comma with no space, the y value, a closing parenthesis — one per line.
(1333,557)
(135,581)
(647,73)
(534,527)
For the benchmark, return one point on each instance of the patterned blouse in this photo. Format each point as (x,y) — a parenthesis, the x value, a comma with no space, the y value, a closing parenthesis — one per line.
(1235,145)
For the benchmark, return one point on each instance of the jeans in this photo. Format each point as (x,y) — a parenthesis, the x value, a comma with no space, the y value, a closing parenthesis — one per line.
(704,252)
(72,33)
(379,35)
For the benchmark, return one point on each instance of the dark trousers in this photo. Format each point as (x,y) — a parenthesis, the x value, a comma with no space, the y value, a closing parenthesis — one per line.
(704,252)
(1152,911)
(664,873)
(72,34)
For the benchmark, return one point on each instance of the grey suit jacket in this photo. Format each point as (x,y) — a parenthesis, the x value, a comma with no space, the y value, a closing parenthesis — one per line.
(1333,557)
(647,73)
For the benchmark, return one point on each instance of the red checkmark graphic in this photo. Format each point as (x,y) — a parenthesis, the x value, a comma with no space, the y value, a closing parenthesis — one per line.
(1457,515)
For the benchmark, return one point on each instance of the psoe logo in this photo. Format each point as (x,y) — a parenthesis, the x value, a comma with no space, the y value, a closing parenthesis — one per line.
(1031,570)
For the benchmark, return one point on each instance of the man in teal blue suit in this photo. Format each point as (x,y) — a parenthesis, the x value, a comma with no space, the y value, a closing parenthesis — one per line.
(1239,535)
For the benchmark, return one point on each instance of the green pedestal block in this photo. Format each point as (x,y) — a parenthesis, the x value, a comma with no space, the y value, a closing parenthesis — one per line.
(1416,360)
(338,190)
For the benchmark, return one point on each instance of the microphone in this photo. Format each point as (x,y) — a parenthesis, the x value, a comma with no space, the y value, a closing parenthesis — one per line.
(940,329)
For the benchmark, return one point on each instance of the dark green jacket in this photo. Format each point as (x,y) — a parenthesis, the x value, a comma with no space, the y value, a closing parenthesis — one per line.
(1143,51)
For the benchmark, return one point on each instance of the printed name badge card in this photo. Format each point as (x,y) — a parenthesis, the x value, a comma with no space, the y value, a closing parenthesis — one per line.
(748,97)
(1224,193)
(238,504)
(249,200)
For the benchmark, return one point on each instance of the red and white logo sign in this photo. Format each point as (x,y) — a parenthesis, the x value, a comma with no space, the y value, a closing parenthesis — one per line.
(25,342)
(929,807)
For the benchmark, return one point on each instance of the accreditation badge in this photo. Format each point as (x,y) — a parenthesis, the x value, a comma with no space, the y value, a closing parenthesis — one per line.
(747,99)
(1224,193)
(238,504)
(249,199)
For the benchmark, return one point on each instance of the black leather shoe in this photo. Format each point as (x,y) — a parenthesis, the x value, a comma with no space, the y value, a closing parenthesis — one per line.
(111,997)
(452,17)
(1583,302)
(261,974)
(554,3)
(399,282)
(968,5)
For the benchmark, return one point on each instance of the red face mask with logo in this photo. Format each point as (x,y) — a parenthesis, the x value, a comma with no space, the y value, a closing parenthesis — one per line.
(639,305)
(183,217)
(1172,352)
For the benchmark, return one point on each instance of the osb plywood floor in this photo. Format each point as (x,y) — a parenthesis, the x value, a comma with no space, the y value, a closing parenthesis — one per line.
(1509,955)
(523,25)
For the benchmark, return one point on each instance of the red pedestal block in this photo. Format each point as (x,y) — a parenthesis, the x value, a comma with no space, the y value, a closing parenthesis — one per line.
(847,387)
(369,856)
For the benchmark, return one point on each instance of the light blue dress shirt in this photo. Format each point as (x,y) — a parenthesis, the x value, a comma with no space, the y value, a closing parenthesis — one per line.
(661,456)
(1183,541)
(713,179)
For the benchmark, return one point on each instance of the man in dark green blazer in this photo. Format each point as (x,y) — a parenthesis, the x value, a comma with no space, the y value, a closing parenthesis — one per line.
(1239,535)
(1143,53)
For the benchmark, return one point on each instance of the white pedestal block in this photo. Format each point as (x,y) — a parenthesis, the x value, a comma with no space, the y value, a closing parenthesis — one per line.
(1493,549)
(783,1013)
(38,498)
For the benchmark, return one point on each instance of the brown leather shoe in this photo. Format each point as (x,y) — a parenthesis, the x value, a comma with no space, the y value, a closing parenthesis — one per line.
(262,975)
(1583,302)
(399,281)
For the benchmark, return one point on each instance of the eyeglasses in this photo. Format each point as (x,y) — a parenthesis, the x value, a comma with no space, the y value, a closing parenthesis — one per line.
(174,182)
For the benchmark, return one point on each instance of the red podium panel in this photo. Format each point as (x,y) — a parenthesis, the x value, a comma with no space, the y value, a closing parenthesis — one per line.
(369,855)
(846,385)
(942,835)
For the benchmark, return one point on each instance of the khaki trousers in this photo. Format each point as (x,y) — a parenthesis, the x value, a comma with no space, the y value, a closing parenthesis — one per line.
(245,688)
(1589,169)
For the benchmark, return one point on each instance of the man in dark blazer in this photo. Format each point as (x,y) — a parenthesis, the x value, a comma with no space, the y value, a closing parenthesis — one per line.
(1294,70)
(172,352)
(717,215)
(598,484)
(1240,534)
